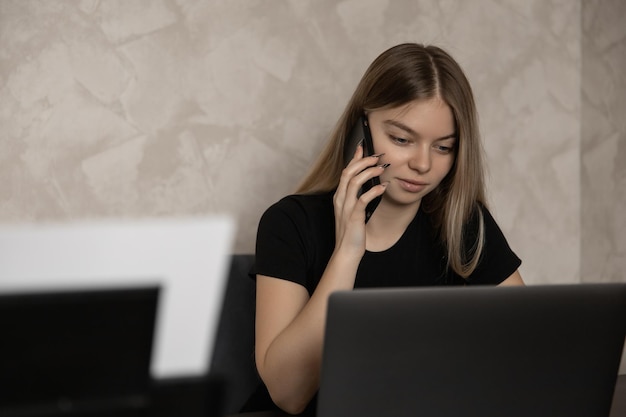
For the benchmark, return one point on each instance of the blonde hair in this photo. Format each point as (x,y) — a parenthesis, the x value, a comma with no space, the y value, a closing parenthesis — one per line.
(402,74)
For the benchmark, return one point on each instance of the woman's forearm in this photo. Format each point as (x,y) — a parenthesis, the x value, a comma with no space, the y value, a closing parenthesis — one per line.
(290,365)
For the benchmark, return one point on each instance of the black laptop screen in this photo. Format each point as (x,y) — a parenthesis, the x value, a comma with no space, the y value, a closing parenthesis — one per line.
(75,346)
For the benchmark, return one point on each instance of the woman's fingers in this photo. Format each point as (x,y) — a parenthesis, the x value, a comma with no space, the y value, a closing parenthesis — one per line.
(365,198)
(357,181)
(356,166)
(349,196)
(349,204)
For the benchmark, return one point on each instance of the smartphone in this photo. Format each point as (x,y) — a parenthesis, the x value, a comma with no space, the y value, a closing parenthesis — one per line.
(361,134)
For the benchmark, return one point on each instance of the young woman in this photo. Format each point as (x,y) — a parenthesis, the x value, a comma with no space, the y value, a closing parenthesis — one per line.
(432,226)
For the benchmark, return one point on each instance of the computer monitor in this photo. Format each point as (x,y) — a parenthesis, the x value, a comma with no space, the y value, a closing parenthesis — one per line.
(186,257)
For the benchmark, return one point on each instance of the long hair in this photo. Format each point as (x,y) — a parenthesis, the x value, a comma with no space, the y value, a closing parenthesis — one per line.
(402,74)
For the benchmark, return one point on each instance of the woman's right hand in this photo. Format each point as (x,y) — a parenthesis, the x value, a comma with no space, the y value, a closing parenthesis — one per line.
(349,206)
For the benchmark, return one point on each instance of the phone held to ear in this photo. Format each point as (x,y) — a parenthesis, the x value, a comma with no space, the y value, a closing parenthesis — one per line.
(361,134)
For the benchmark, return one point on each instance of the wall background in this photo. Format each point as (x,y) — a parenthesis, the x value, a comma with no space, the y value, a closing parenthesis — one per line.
(143,108)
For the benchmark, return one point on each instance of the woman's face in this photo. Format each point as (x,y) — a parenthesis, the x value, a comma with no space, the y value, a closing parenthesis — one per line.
(418,139)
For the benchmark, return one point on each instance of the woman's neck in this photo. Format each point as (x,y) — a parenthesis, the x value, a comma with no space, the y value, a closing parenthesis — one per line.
(387,225)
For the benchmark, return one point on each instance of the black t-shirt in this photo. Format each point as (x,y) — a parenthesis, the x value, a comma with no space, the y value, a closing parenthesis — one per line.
(296,237)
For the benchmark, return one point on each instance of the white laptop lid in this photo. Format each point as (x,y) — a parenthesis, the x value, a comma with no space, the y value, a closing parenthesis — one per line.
(188,258)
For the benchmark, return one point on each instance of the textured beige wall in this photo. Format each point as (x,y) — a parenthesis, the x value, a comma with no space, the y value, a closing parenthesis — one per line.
(603,138)
(140,108)
(603,181)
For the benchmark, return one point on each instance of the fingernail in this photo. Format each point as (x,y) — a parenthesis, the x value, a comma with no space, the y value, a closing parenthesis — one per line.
(377,155)
(383,166)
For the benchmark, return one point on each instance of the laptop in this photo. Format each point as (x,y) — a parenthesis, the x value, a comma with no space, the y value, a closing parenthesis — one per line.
(550,350)
(77,353)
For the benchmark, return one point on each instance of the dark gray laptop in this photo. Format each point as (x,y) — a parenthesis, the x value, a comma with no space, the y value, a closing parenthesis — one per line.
(474,351)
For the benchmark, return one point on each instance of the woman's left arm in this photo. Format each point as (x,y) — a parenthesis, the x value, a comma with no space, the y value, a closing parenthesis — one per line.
(514,279)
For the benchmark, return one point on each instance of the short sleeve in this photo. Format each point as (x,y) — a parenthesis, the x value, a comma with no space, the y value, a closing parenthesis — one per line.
(280,244)
(498,261)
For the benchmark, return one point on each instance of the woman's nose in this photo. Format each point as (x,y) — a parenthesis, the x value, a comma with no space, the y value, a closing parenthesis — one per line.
(420,160)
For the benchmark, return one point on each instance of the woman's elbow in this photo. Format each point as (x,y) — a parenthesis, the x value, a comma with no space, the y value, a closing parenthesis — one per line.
(289,402)
(288,398)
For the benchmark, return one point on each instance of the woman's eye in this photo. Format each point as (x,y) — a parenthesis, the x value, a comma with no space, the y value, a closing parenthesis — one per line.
(444,149)
(399,141)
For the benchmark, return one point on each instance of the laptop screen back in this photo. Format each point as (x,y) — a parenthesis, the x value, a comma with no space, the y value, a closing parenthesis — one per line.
(75,349)
(488,351)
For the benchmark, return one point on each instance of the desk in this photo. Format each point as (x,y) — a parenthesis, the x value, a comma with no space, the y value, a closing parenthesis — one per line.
(617,410)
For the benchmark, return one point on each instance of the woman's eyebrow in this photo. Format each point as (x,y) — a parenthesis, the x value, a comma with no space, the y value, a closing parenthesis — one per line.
(410,131)
(401,126)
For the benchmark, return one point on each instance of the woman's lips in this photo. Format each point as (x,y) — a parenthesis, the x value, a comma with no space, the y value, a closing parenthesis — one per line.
(412,186)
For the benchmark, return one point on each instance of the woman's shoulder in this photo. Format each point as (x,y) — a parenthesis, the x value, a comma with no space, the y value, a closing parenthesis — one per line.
(483,213)
(303,204)
(310,199)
